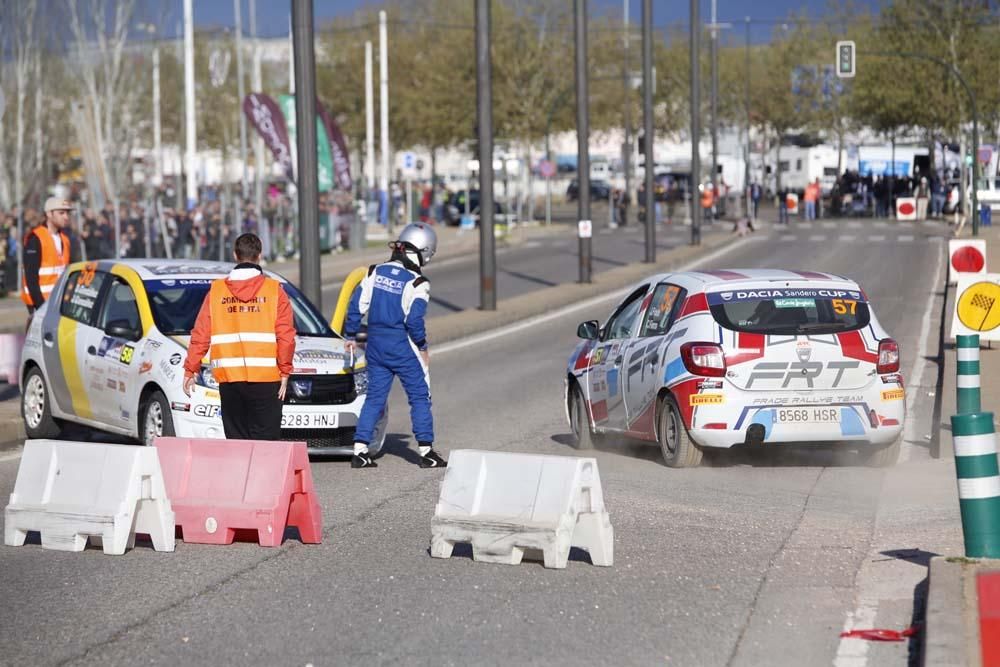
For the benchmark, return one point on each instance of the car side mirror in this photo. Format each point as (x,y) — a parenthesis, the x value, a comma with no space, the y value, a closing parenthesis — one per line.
(121,329)
(588,330)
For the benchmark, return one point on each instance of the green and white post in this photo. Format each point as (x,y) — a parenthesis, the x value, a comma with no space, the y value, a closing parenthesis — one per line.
(978,483)
(967,393)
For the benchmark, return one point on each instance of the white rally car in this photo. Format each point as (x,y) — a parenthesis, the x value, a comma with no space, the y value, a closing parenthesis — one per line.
(713,359)
(107,350)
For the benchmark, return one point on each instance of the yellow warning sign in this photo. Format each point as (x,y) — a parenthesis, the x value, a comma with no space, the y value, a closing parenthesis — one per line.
(978,307)
(707,399)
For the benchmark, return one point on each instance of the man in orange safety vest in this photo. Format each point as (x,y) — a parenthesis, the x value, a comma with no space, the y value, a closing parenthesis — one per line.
(246,326)
(46,254)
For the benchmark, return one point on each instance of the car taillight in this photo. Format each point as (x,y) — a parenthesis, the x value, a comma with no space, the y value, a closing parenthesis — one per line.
(704,359)
(888,356)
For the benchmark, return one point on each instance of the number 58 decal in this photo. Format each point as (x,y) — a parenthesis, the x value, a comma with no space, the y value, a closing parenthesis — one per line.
(126,355)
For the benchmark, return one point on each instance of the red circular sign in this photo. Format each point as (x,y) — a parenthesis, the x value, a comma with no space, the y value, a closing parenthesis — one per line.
(906,208)
(547,168)
(967,259)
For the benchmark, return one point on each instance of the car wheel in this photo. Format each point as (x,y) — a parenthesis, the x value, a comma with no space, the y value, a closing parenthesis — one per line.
(675,443)
(881,457)
(35,407)
(156,419)
(579,421)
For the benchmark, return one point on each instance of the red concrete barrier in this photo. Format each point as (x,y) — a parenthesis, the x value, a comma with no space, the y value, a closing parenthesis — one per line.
(10,357)
(988,585)
(217,487)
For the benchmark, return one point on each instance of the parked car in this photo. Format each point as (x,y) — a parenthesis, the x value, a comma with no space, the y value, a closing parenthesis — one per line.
(106,350)
(599,190)
(707,360)
(454,208)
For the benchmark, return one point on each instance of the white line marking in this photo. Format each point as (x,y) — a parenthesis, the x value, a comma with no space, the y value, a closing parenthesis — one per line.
(487,336)
(877,237)
(818,237)
(881,225)
(847,237)
(789,237)
(829,225)
(854,652)
(804,225)
(854,225)
(13,456)
(915,379)
(905,238)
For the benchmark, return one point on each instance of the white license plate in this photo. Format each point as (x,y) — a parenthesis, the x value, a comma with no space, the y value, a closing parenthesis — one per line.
(309,420)
(807,415)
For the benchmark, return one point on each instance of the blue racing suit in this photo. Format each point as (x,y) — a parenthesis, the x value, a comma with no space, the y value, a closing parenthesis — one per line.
(395,299)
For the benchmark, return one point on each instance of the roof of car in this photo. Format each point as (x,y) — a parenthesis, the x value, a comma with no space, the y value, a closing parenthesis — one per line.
(193,269)
(731,277)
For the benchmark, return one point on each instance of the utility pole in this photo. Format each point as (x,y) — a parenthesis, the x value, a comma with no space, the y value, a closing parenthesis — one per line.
(157,130)
(714,57)
(695,41)
(584,224)
(484,123)
(238,11)
(369,121)
(305,135)
(189,99)
(746,163)
(627,81)
(647,127)
(383,101)
(259,172)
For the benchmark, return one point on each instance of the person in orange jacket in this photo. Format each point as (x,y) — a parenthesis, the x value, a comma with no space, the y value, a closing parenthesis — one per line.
(46,254)
(246,325)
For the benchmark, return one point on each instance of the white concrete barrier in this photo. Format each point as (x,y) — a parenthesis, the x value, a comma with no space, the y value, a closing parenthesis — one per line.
(72,491)
(507,504)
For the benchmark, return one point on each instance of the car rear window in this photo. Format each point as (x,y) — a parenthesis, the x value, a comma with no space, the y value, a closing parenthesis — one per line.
(790,311)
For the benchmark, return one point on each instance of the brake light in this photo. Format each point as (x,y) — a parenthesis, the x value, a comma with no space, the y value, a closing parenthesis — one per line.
(705,359)
(888,356)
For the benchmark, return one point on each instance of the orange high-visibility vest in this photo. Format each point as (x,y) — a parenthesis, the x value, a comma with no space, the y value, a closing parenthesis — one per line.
(244,347)
(52,266)
(706,198)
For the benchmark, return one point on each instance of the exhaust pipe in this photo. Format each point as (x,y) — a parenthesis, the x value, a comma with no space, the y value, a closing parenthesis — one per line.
(755,435)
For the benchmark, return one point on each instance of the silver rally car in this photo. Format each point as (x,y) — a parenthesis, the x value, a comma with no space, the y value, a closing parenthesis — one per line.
(107,351)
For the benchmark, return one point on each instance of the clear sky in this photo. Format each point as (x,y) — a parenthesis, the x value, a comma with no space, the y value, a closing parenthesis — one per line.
(272,15)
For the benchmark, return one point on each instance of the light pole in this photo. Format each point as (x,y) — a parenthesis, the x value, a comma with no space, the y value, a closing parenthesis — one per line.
(383,101)
(484,123)
(189,101)
(585,224)
(647,127)
(746,162)
(237,10)
(695,46)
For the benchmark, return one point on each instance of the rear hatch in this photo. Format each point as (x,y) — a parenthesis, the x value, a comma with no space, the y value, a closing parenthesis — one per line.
(795,336)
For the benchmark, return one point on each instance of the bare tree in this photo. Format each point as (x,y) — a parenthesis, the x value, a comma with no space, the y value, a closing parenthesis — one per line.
(109,93)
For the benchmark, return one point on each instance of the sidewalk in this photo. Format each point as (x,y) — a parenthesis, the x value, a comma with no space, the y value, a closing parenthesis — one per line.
(952,633)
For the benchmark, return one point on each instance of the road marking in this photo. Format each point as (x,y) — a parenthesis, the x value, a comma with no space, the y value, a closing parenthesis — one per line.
(818,237)
(805,225)
(829,225)
(920,363)
(847,237)
(854,225)
(880,225)
(789,237)
(854,652)
(877,238)
(905,238)
(485,337)
(13,456)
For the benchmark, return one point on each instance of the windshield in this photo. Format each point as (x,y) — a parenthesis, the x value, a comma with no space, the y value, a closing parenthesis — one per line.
(790,312)
(175,305)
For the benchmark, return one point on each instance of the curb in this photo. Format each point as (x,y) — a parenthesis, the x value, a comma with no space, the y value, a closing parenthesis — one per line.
(951,623)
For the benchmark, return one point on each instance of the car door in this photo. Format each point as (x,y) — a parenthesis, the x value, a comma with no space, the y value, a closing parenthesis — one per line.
(607,362)
(67,334)
(117,357)
(645,355)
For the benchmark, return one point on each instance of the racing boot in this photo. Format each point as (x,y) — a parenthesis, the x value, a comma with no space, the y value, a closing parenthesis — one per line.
(361,458)
(430,459)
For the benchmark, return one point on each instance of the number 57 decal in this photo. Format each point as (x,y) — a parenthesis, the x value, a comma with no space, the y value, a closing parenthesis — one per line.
(843,306)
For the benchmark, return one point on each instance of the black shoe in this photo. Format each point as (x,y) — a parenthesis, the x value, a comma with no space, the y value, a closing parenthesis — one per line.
(363,461)
(432,460)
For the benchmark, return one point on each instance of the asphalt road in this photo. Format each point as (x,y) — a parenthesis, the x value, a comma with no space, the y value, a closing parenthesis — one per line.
(754,560)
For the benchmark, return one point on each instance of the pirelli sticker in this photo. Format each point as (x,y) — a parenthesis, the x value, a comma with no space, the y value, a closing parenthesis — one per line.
(706,399)
(893,395)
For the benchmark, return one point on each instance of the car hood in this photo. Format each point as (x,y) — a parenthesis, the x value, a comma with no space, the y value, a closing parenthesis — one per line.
(313,355)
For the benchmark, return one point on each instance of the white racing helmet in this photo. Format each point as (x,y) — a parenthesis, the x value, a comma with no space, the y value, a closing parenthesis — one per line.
(419,238)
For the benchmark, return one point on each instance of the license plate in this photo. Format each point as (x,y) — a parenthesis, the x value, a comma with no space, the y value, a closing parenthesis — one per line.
(807,415)
(309,420)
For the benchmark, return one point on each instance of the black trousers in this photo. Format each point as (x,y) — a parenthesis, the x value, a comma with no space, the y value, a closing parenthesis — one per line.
(251,410)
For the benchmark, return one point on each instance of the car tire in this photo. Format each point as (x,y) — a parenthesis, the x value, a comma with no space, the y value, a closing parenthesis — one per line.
(583,437)
(35,407)
(156,419)
(881,457)
(676,445)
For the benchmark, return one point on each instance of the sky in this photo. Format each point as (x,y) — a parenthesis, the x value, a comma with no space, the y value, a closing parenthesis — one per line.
(272,15)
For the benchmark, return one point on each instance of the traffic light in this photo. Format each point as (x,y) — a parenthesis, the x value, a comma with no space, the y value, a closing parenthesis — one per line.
(845,59)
